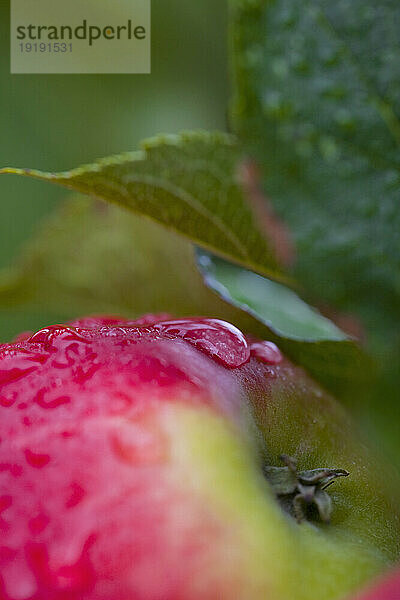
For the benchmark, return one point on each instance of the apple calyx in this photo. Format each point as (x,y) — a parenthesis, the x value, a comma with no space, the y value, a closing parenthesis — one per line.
(300,491)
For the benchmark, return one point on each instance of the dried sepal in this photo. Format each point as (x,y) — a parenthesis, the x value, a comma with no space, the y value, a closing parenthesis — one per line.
(300,490)
(282,480)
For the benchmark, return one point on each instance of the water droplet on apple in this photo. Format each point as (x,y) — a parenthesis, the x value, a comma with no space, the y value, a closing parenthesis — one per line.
(50,335)
(219,339)
(266,352)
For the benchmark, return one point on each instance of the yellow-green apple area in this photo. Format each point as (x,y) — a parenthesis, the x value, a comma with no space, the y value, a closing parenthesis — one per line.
(132,463)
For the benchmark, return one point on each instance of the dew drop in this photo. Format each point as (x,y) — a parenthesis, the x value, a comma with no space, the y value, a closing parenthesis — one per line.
(219,339)
(36,460)
(266,352)
(49,335)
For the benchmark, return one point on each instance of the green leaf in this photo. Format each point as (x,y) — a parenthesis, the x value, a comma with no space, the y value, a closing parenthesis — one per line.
(317,104)
(303,334)
(91,257)
(271,302)
(187,183)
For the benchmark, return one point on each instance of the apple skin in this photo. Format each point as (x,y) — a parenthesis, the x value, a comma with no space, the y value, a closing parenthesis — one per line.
(387,588)
(131,457)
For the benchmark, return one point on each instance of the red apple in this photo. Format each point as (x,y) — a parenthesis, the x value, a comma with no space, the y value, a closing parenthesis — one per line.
(133,457)
(387,588)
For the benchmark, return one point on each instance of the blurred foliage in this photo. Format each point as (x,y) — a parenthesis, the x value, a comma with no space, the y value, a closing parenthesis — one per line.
(316,102)
(58,121)
(90,257)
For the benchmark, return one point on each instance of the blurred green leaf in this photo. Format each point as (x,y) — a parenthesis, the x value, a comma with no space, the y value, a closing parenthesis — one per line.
(91,257)
(187,183)
(272,303)
(304,335)
(317,104)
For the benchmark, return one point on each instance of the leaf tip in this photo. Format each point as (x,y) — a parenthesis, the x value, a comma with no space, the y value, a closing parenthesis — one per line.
(15,171)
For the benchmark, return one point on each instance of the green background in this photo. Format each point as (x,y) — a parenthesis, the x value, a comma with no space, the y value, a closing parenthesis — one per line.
(55,122)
